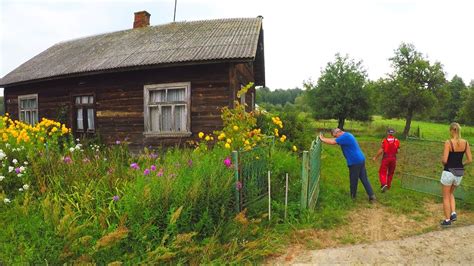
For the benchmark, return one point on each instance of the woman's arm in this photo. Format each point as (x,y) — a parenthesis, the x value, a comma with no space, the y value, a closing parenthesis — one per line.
(444,160)
(378,154)
(468,154)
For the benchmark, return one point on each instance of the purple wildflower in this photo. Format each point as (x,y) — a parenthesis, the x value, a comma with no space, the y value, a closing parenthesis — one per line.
(134,166)
(18,170)
(67,160)
(146,172)
(117,142)
(115,198)
(153,168)
(153,156)
(190,163)
(228,162)
(238,185)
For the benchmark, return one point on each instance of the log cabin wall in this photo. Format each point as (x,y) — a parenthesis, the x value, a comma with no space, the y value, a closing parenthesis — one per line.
(119,99)
(242,74)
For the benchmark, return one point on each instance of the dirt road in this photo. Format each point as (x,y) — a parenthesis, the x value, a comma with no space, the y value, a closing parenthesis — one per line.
(449,246)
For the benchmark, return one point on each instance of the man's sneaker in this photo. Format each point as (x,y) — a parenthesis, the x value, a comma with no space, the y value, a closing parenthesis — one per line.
(384,188)
(446,223)
(453,217)
(372,199)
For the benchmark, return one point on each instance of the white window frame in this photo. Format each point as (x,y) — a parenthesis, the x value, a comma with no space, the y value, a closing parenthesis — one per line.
(20,110)
(148,105)
(85,106)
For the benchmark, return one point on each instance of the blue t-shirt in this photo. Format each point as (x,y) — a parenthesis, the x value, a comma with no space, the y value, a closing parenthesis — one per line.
(350,149)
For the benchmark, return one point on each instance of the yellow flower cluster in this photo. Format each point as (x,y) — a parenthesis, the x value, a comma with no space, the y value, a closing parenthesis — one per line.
(16,131)
(277,121)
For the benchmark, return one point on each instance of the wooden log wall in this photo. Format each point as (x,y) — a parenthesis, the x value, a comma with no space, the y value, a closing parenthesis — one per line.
(120,104)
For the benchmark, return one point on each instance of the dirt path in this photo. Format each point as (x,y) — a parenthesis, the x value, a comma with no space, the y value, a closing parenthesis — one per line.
(450,246)
(379,236)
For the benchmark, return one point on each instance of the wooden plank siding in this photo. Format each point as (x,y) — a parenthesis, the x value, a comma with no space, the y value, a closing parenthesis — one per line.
(119,99)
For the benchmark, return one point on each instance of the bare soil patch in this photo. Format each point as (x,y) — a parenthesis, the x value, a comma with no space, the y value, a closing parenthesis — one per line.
(379,225)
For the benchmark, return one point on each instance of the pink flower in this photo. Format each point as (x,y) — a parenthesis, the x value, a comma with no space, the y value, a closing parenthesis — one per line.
(117,142)
(190,163)
(110,171)
(134,166)
(238,185)
(153,168)
(115,198)
(18,170)
(160,172)
(67,160)
(228,162)
(146,172)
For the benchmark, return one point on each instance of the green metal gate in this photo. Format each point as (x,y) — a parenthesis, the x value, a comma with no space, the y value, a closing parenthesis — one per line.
(311,173)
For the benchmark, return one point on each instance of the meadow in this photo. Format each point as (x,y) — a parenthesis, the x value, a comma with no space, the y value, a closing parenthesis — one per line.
(77,201)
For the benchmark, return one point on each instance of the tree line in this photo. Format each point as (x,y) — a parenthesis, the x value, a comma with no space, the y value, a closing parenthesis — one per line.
(415,88)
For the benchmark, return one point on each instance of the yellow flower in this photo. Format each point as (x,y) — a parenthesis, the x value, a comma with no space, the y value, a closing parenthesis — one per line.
(276,132)
(207,138)
(294,148)
(201,135)
(283,138)
(227,146)
(247,142)
(221,136)
(229,141)
(235,128)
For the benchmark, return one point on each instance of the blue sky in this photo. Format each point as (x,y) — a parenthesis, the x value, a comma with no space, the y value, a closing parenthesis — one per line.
(300,36)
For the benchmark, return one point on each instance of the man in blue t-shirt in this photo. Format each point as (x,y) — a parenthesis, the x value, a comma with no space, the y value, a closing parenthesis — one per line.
(355,160)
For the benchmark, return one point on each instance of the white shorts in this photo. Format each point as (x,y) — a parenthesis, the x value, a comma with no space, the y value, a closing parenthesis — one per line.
(448,179)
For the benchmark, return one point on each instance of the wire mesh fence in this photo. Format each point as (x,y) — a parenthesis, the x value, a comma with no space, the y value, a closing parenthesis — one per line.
(415,165)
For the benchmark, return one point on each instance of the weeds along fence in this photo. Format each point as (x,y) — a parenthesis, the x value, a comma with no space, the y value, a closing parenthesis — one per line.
(251,174)
(415,165)
(311,173)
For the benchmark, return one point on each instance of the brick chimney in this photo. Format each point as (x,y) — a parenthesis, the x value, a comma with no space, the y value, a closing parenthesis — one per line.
(142,19)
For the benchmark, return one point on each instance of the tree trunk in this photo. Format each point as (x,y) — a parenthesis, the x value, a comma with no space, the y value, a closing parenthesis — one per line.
(340,123)
(408,123)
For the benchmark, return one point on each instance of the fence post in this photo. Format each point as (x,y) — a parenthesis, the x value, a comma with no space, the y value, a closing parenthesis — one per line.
(304,181)
(235,160)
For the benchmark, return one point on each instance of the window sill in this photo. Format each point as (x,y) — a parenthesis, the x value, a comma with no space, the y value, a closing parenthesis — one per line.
(167,134)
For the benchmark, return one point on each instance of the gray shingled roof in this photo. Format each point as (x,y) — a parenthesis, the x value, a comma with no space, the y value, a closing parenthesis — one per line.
(196,41)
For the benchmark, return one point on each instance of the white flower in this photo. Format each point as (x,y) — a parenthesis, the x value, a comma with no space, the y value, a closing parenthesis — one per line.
(19,175)
(20,189)
(78,140)
(26,187)
(6,200)
(10,169)
(71,149)
(1,177)
(25,163)
(2,155)
(22,168)
(7,145)
(15,161)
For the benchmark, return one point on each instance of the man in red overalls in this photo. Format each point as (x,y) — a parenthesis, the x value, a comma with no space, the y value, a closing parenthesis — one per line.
(389,148)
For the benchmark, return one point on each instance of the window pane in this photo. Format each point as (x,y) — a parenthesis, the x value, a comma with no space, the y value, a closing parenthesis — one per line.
(22,104)
(85,99)
(154,119)
(22,116)
(180,117)
(157,96)
(32,103)
(166,122)
(80,120)
(78,100)
(176,95)
(90,118)
(91,99)
(28,117)
(242,98)
(34,118)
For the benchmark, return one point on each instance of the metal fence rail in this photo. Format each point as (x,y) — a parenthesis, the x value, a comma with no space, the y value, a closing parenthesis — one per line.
(311,173)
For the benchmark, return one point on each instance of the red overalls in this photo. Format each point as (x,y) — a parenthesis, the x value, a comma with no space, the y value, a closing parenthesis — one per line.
(390,146)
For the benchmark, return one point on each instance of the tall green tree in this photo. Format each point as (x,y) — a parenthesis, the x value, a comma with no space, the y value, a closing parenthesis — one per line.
(466,114)
(339,92)
(412,85)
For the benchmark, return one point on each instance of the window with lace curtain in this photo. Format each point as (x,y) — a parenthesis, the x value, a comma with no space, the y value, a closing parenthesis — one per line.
(28,108)
(167,109)
(84,106)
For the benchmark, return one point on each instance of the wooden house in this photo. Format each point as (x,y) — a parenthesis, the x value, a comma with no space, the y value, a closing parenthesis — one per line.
(154,85)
